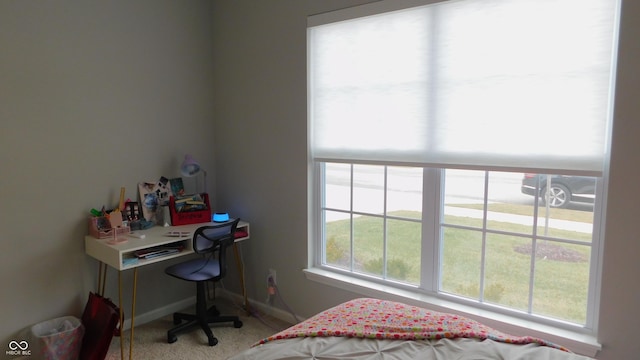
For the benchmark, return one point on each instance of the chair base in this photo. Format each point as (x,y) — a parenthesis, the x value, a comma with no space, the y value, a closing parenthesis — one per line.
(193,320)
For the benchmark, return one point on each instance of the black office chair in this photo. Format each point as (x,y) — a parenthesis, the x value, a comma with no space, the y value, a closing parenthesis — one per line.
(211,242)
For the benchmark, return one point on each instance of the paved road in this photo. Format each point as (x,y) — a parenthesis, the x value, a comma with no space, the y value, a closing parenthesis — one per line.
(462,187)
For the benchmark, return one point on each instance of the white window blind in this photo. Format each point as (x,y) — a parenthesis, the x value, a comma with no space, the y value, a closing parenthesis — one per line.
(503,84)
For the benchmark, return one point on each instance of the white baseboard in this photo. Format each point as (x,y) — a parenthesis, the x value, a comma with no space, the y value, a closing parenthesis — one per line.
(158,313)
(262,307)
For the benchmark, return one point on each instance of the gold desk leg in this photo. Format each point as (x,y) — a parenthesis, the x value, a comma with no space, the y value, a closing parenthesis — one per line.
(121,314)
(133,311)
(241,271)
(102,277)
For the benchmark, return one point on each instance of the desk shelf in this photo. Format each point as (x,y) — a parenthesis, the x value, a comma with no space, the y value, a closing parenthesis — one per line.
(114,254)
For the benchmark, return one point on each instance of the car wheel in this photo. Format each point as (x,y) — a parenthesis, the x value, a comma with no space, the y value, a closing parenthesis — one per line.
(559,196)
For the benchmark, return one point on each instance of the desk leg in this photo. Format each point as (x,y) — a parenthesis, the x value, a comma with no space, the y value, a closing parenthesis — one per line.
(102,278)
(133,311)
(240,265)
(121,314)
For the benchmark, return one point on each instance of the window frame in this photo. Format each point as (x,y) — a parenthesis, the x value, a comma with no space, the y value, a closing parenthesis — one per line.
(431,247)
(581,339)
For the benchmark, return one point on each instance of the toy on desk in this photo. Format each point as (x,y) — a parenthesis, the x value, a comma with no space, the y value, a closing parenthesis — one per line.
(96,213)
(192,202)
(141,224)
(100,213)
(117,211)
(117,230)
(115,218)
(117,240)
(131,210)
(105,227)
(220,217)
(121,200)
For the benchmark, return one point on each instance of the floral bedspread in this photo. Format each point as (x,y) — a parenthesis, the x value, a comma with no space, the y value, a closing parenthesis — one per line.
(380,319)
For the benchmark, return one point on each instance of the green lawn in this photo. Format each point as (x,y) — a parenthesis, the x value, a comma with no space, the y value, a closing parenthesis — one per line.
(560,284)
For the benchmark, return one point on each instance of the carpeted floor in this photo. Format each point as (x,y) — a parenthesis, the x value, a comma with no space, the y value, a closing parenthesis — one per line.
(150,340)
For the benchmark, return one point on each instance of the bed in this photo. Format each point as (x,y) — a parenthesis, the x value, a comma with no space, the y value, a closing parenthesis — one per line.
(369,328)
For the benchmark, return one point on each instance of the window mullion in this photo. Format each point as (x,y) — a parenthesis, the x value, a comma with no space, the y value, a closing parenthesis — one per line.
(320,186)
(483,255)
(351,233)
(432,211)
(384,224)
(534,245)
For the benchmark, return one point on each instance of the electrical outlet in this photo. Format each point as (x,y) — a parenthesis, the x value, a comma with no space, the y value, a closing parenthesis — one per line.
(272,275)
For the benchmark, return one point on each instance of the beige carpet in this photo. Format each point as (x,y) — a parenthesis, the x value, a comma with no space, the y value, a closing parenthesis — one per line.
(150,340)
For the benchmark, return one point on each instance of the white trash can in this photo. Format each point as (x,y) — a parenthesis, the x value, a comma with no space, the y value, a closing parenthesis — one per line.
(57,339)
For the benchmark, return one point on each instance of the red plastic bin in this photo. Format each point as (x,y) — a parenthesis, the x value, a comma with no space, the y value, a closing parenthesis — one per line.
(189,217)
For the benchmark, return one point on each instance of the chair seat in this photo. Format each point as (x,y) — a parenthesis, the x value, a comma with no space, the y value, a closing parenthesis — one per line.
(195,270)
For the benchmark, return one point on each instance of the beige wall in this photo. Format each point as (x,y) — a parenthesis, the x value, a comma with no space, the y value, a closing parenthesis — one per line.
(96,95)
(260,48)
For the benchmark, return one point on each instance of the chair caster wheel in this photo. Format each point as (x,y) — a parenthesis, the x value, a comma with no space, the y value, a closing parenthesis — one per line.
(213,341)
(237,324)
(171,339)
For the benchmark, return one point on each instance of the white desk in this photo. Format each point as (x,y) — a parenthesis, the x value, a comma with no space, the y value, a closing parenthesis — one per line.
(114,255)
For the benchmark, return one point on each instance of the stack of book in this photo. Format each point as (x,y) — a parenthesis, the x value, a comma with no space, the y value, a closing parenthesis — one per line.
(158,251)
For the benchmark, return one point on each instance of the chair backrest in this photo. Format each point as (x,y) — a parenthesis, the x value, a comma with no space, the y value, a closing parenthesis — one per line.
(215,238)
(209,238)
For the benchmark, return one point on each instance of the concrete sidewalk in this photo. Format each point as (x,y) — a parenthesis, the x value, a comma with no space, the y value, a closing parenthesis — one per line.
(519,219)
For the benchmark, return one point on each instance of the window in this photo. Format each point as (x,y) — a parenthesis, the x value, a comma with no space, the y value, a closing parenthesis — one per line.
(459,149)
(497,243)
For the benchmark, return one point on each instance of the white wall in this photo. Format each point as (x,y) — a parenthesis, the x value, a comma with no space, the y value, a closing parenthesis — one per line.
(94,95)
(260,88)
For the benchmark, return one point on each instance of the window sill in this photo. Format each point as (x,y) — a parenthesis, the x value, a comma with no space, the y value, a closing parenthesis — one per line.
(583,344)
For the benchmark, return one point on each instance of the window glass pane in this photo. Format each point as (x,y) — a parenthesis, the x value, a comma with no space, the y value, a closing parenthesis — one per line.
(464,197)
(461,262)
(404,250)
(337,244)
(337,186)
(561,280)
(404,192)
(507,272)
(569,202)
(368,244)
(368,189)
(507,208)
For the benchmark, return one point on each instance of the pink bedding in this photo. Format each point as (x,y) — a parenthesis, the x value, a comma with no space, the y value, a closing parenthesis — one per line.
(380,319)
